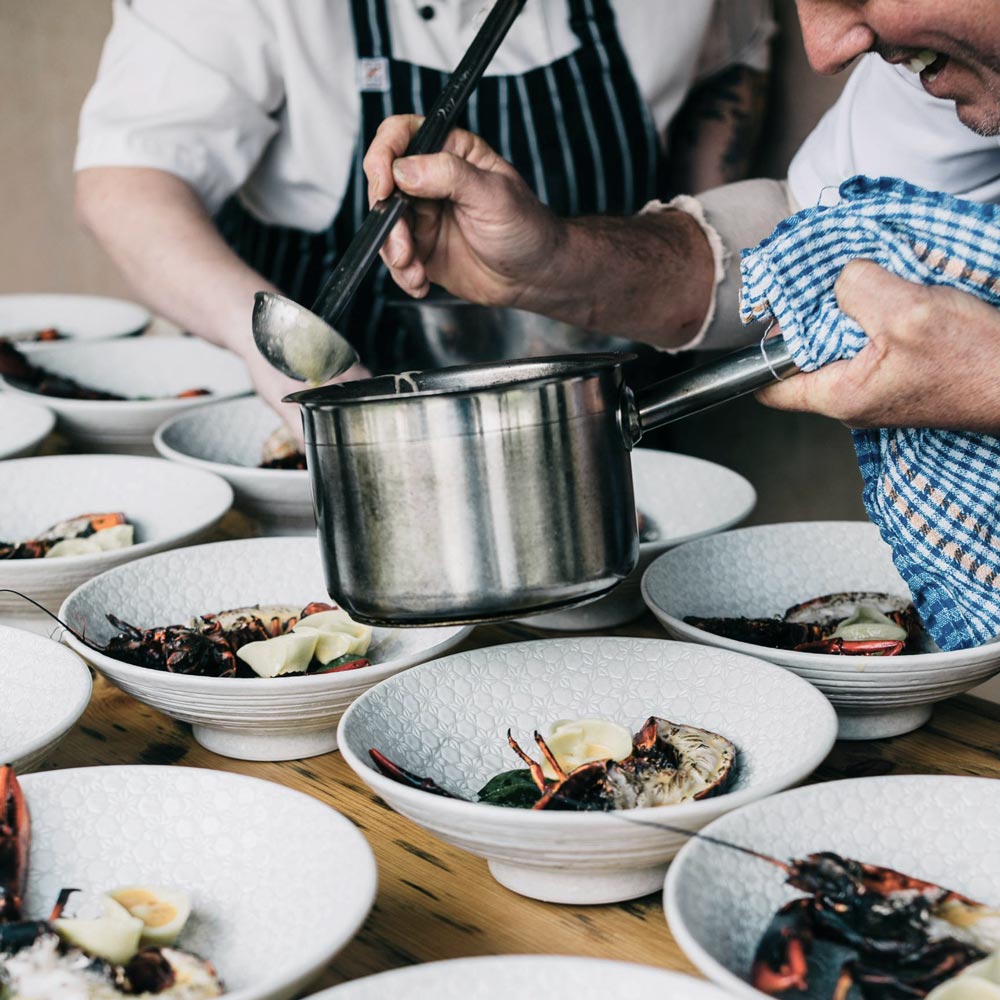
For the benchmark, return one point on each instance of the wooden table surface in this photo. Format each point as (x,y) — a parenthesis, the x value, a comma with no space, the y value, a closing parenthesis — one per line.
(436,902)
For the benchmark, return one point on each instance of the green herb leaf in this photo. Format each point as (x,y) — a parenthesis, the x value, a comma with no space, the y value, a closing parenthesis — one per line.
(510,788)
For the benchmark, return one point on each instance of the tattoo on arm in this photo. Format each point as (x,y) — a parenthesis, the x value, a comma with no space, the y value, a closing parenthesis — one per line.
(714,137)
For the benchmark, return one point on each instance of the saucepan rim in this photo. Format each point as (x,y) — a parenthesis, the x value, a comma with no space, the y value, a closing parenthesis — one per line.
(522,373)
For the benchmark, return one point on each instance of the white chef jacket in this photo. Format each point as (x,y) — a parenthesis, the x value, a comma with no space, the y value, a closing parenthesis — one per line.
(886,125)
(261,96)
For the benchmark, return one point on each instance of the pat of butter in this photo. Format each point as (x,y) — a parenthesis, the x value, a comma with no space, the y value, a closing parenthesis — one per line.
(580,741)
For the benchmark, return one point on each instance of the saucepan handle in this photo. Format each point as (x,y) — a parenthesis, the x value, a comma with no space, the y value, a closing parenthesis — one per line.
(743,371)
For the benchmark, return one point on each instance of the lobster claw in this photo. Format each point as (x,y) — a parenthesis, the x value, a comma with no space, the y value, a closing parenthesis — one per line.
(14,835)
(404,777)
(781,962)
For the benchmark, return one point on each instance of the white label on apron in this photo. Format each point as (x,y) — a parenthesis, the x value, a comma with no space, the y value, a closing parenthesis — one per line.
(373,75)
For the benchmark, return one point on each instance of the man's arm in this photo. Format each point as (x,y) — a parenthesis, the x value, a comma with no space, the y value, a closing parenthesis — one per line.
(155,229)
(714,138)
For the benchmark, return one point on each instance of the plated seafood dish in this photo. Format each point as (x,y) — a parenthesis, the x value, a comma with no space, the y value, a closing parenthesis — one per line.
(259,641)
(121,943)
(34,336)
(908,936)
(596,765)
(858,623)
(281,451)
(22,374)
(83,535)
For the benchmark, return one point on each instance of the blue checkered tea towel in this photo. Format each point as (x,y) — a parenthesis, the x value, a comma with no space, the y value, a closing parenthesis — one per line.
(934,494)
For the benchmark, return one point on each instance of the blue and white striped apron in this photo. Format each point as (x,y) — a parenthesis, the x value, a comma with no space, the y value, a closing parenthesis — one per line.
(578,131)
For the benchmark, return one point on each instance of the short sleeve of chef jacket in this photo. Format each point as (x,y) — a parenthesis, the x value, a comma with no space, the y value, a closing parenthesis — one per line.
(204,124)
(886,125)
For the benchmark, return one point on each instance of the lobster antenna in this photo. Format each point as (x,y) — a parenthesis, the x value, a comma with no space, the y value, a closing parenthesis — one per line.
(53,615)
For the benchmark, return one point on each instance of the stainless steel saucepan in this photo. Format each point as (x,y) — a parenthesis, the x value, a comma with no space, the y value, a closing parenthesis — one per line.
(494,491)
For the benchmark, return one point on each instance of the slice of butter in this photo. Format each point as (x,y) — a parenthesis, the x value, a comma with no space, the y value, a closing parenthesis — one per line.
(290,653)
(579,741)
(118,536)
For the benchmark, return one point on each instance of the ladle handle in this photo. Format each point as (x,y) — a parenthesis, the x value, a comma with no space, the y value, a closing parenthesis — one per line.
(343,282)
(736,374)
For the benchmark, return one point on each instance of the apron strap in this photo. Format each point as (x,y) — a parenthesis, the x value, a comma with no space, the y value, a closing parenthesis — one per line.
(372,37)
(586,15)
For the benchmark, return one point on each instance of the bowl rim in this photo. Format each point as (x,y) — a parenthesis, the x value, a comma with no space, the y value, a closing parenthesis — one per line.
(241,473)
(825,735)
(78,300)
(145,677)
(658,545)
(922,662)
(364,864)
(391,979)
(706,963)
(135,345)
(27,568)
(26,407)
(74,709)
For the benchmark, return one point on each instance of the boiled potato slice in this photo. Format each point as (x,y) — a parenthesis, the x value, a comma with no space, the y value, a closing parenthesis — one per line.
(120,536)
(339,622)
(74,547)
(163,912)
(284,654)
(329,645)
(115,936)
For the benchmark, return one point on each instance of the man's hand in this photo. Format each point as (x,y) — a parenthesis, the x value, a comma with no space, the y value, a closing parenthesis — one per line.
(933,359)
(478,230)
(475,227)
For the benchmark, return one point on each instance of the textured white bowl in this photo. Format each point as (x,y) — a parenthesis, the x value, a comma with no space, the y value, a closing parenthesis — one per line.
(44,689)
(24,425)
(169,505)
(686,498)
(228,439)
(82,317)
(448,720)
(158,367)
(252,718)
(504,977)
(759,572)
(279,882)
(938,828)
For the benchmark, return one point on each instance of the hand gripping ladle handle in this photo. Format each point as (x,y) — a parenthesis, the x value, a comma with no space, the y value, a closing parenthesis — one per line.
(343,282)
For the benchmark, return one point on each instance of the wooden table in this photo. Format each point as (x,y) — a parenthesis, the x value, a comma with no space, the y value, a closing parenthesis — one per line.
(436,902)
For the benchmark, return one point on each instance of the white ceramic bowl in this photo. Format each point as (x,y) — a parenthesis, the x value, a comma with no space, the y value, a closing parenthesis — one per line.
(169,505)
(938,828)
(45,689)
(685,498)
(279,882)
(82,317)
(252,718)
(759,572)
(158,367)
(504,977)
(448,720)
(24,425)
(228,439)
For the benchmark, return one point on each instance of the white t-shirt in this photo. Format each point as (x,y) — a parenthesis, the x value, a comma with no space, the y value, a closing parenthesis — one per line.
(886,125)
(261,95)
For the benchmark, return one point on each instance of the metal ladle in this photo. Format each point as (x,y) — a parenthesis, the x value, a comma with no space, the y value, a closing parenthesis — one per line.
(304,344)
